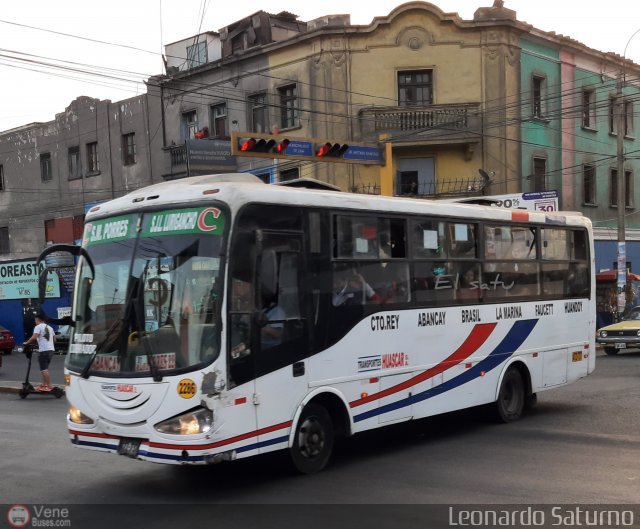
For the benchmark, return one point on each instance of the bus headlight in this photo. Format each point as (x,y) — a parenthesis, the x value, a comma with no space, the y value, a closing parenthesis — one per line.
(76,416)
(603,334)
(193,422)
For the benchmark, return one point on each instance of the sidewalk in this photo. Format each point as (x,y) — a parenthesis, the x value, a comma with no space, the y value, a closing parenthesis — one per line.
(14,370)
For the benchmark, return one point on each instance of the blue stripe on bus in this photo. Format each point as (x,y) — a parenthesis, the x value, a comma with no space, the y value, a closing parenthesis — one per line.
(254,446)
(511,342)
(95,445)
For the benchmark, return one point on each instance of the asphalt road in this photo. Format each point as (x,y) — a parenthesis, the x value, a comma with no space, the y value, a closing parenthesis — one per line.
(580,445)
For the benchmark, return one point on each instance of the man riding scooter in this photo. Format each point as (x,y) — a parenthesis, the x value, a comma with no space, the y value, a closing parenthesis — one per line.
(45,337)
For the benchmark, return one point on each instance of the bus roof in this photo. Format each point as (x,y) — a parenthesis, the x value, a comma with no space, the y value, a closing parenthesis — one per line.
(238,189)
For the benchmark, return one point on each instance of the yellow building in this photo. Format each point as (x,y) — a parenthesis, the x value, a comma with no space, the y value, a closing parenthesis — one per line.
(426,86)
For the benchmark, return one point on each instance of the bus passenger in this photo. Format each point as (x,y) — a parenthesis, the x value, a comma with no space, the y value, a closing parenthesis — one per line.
(350,288)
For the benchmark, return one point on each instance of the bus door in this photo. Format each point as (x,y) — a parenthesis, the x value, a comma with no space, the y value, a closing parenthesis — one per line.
(281,333)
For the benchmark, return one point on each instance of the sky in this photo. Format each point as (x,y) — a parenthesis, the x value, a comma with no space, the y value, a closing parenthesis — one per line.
(121,41)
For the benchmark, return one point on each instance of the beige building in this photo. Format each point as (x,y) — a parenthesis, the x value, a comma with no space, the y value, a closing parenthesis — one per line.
(431,85)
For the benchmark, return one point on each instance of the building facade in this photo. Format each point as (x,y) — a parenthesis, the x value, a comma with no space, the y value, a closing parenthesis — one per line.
(457,107)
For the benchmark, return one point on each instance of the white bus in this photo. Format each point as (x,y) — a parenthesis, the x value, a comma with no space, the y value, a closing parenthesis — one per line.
(218,317)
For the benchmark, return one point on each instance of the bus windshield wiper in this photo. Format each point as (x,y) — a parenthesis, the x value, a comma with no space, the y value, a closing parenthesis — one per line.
(139,310)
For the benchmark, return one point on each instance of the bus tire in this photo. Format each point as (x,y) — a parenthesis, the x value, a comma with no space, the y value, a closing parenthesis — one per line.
(611,351)
(511,397)
(313,439)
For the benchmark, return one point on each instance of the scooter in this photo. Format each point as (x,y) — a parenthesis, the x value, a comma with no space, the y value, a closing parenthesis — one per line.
(27,387)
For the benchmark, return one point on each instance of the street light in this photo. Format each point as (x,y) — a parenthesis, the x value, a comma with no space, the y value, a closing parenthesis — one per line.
(622,192)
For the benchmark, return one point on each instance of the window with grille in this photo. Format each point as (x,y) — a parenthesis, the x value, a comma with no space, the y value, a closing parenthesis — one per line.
(45,167)
(219,120)
(628,188)
(589,184)
(74,163)
(589,109)
(258,112)
(288,107)
(189,125)
(539,174)
(537,96)
(129,148)
(92,158)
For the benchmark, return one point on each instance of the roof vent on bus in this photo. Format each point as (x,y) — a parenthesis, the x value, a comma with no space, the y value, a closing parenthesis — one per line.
(309,183)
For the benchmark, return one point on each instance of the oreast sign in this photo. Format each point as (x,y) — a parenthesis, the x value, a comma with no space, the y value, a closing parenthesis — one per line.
(19,280)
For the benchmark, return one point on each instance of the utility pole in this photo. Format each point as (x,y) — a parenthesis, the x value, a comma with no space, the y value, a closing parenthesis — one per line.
(621,182)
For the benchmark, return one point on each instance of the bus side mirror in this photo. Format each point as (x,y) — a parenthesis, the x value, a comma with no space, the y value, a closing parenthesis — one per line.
(55,257)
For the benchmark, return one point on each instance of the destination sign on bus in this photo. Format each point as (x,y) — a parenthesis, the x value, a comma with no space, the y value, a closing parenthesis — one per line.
(537,201)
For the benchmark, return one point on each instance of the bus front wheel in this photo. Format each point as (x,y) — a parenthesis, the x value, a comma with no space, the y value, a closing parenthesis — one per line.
(511,398)
(313,439)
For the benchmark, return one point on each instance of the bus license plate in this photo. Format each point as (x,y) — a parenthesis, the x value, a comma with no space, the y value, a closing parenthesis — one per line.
(576,356)
(129,447)
(621,346)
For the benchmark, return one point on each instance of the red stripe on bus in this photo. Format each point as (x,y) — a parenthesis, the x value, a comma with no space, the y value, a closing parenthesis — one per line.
(229,441)
(91,434)
(478,336)
(522,216)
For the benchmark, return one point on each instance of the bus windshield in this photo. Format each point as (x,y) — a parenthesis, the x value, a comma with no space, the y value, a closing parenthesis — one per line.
(152,303)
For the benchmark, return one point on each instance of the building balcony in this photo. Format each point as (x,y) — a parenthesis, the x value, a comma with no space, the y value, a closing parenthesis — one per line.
(175,162)
(423,125)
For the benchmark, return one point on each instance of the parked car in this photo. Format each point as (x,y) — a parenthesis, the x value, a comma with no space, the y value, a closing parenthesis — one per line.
(7,341)
(63,335)
(624,334)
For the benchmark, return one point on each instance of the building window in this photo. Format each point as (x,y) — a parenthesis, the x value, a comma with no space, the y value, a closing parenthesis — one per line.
(189,125)
(129,148)
(408,183)
(237,43)
(45,167)
(289,174)
(415,88)
(196,54)
(589,109)
(537,96)
(288,106)
(74,163)
(219,120)
(628,188)
(589,183)
(628,117)
(4,240)
(539,174)
(1,178)
(92,158)
(258,112)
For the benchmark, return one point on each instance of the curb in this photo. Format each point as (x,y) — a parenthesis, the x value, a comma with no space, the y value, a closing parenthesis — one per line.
(11,389)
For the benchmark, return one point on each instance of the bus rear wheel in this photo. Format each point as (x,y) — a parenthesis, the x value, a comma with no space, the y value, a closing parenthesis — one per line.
(313,439)
(511,397)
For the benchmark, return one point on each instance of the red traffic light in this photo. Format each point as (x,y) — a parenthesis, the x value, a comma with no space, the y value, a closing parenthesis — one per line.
(261,145)
(248,145)
(335,150)
(282,146)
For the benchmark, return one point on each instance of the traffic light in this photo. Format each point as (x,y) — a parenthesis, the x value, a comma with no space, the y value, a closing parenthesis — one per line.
(260,145)
(332,150)
(263,146)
